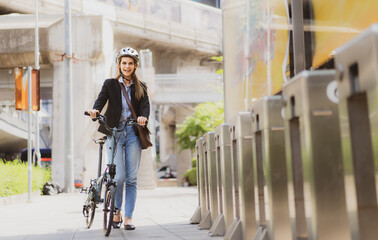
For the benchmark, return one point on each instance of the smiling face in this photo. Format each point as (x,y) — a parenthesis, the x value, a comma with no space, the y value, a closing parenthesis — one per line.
(127,66)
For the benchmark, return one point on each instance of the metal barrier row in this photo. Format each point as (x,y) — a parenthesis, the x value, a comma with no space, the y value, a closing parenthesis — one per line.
(302,165)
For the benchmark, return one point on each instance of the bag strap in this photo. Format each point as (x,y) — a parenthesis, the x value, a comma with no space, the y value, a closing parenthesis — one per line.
(128,101)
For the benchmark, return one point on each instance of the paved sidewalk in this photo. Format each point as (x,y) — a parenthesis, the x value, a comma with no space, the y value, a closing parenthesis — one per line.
(162,213)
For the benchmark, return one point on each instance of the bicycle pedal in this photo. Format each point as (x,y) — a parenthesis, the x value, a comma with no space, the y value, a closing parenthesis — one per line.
(85,212)
(84,190)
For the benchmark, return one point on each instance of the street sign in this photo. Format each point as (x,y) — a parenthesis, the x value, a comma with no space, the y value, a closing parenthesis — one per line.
(21,89)
(35,90)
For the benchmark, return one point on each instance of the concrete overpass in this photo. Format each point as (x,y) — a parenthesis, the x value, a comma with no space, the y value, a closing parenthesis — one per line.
(13,132)
(181,36)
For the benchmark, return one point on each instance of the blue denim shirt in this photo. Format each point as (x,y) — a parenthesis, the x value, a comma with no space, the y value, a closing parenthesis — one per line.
(125,108)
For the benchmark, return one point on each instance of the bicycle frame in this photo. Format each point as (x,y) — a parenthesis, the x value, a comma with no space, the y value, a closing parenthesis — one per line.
(109,170)
(107,177)
(111,165)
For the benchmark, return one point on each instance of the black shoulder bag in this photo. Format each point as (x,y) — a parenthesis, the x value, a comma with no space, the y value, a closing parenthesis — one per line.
(144,132)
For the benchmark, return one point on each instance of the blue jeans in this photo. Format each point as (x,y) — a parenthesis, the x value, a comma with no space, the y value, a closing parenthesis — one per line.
(127,160)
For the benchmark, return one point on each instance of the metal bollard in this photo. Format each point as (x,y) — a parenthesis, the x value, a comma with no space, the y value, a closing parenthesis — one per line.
(270,170)
(211,175)
(224,170)
(234,231)
(314,160)
(196,218)
(357,70)
(244,225)
(205,222)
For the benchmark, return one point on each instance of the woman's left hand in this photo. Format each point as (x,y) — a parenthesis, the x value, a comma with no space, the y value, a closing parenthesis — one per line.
(142,120)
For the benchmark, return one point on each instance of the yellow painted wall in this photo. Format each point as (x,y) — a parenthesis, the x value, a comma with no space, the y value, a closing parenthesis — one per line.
(255,38)
(337,22)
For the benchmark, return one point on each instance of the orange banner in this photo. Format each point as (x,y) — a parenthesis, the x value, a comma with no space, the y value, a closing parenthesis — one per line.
(35,90)
(21,89)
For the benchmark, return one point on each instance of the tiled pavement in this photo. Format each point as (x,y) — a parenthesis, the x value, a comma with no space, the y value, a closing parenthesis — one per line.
(162,213)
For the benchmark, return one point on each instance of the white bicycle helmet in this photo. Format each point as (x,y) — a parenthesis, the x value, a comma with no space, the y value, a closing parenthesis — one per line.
(128,52)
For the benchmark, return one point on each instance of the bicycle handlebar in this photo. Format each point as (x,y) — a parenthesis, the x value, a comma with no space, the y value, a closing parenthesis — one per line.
(102,120)
(93,119)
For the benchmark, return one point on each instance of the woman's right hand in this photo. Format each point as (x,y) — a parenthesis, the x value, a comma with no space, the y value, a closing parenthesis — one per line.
(93,113)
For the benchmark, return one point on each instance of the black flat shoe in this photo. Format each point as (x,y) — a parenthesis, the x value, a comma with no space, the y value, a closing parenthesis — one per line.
(129,227)
(117,225)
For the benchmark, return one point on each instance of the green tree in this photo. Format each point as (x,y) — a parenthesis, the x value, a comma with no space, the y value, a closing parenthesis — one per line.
(206,117)
(218,59)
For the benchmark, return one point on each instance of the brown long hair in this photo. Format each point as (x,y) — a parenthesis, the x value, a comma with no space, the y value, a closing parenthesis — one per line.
(139,87)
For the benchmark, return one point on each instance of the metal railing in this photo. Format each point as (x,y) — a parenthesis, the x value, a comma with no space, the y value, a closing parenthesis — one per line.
(10,114)
(19,119)
(186,12)
(189,82)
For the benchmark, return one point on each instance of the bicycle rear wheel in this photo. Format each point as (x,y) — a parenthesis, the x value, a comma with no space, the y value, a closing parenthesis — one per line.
(89,209)
(109,209)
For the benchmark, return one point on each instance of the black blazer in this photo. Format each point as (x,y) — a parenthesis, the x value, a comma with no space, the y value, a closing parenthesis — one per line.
(111,93)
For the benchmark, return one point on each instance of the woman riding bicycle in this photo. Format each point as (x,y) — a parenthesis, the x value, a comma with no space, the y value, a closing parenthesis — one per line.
(128,150)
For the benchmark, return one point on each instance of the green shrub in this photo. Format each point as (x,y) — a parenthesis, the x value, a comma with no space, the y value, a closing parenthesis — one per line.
(191,175)
(14,178)
(205,118)
(194,162)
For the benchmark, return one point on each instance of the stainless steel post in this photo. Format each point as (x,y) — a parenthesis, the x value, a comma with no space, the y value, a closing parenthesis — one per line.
(68,143)
(36,54)
(29,134)
(234,232)
(205,222)
(314,160)
(298,36)
(223,157)
(210,161)
(37,152)
(196,218)
(243,165)
(270,169)
(357,71)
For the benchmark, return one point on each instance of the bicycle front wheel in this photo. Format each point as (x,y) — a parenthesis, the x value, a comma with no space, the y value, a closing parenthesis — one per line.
(109,209)
(89,209)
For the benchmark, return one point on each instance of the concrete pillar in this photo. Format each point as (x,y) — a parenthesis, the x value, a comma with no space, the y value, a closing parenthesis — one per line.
(147,169)
(184,157)
(93,46)
(167,133)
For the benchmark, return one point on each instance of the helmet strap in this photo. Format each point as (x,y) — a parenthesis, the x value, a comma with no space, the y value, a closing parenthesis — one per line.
(123,75)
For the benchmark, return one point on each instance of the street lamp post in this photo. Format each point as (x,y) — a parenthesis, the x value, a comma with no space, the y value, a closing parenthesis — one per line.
(29,135)
(37,153)
(68,140)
